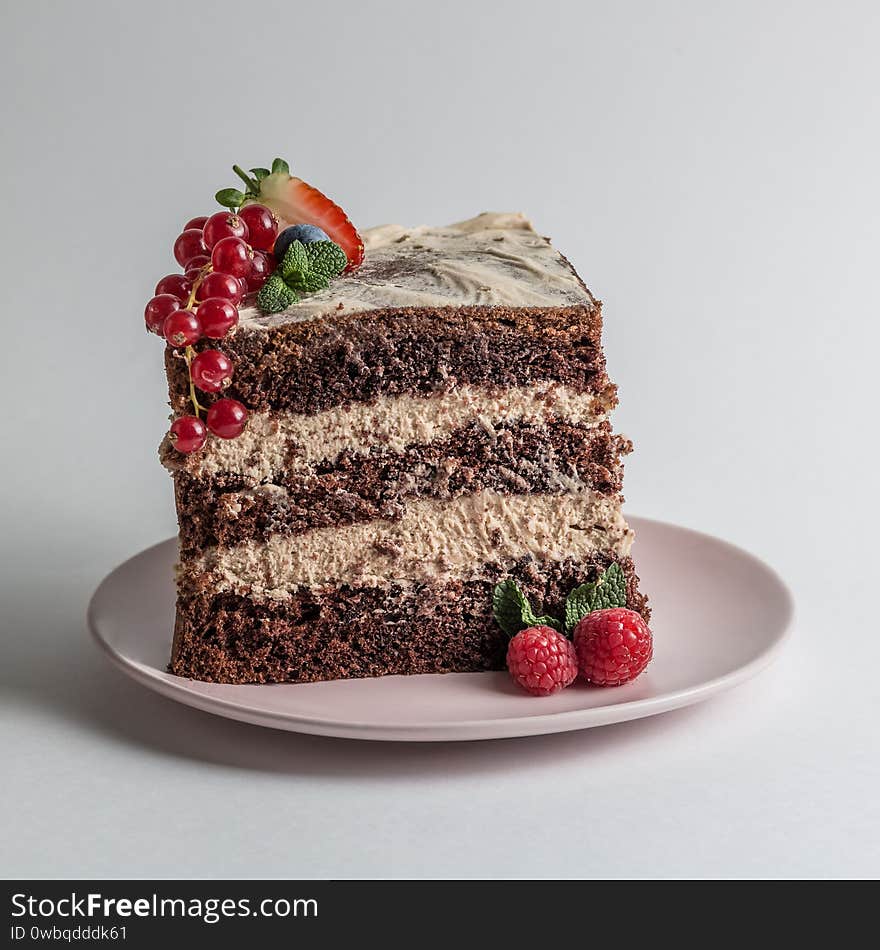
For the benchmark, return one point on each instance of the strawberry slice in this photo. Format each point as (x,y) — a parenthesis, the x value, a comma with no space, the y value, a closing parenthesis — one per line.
(297,202)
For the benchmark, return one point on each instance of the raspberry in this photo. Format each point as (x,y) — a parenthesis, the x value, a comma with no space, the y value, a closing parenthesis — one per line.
(541,660)
(613,646)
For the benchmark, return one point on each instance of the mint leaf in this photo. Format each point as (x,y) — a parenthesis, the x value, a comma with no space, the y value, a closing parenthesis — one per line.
(295,264)
(325,261)
(608,591)
(513,612)
(275,295)
(279,165)
(229,197)
(326,258)
(578,604)
(309,267)
(260,173)
(612,589)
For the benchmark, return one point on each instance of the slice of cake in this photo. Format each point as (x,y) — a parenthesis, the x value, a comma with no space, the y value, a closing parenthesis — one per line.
(386,450)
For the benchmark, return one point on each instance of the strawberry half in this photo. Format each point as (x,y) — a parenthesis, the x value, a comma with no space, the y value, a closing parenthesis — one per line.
(297,202)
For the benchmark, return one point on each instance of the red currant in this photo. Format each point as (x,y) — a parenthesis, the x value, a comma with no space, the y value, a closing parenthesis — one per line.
(217,316)
(158,309)
(197,263)
(261,267)
(262,225)
(232,256)
(221,225)
(227,418)
(188,246)
(196,223)
(188,434)
(182,328)
(220,285)
(211,371)
(175,284)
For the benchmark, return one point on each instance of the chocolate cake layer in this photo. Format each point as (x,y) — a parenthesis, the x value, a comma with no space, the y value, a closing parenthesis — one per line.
(312,366)
(367,631)
(226,508)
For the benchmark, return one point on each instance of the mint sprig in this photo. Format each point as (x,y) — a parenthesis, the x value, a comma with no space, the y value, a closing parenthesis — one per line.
(608,591)
(308,268)
(304,269)
(513,612)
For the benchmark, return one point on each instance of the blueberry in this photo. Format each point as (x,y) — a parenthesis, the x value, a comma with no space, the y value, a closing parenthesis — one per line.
(307,233)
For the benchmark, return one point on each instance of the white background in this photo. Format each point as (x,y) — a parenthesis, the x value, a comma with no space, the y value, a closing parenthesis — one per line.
(712,171)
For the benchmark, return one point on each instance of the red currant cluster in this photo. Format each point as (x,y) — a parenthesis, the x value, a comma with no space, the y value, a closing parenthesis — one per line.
(224,257)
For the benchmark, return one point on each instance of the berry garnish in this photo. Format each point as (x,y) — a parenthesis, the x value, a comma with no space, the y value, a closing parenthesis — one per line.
(198,222)
(188,245)
(613,646)
(227,418)
(232,256)
(262,225)
(261,267)
(187,434)
(220,285)
(542,660)
(217,316)
(221,225)
(196,264)
(182,328)
(175,284)
(158,308)
(296,202)
(211,371)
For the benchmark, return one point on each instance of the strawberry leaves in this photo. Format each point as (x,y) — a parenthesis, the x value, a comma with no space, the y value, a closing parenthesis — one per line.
(234,198)
(230,198)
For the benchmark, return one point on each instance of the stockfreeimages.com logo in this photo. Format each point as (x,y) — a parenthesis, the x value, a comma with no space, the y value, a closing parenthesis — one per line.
(209,910)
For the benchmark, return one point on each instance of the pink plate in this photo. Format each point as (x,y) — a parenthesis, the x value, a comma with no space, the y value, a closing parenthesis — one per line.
(720,616)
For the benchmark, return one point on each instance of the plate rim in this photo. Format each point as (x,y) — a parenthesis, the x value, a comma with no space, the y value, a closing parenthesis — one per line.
(175,688)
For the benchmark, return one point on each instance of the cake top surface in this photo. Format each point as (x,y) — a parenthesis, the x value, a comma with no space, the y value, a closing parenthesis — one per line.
(490,260)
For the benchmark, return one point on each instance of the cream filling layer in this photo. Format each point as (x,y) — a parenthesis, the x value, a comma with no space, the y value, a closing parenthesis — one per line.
(276,442)
(434,541)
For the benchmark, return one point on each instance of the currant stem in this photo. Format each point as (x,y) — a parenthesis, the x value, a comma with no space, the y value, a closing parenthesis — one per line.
(243,175)
(189,352)
(203,273)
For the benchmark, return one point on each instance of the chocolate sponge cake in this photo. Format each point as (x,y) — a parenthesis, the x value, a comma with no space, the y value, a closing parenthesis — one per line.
(426,426)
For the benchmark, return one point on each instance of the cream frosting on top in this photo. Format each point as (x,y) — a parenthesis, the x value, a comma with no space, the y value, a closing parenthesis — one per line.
(492,259)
